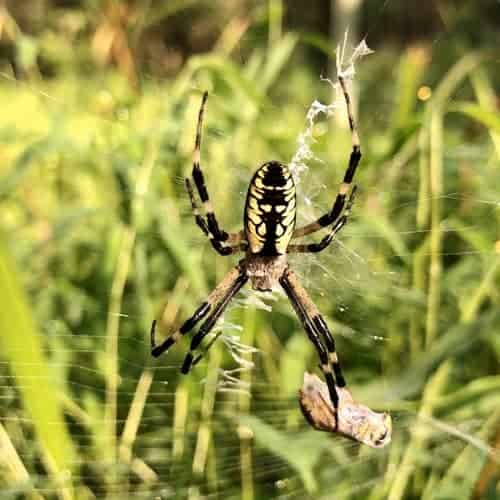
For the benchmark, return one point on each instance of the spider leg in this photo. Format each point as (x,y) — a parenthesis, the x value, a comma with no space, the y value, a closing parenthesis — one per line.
(317,331)
(198,357)
(328,238)
(200,221)
(234,239)
(229,282)
(207,326)
(209,226)
(355,157)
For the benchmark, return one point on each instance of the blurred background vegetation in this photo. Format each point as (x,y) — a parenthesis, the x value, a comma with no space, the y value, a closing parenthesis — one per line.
(98,103)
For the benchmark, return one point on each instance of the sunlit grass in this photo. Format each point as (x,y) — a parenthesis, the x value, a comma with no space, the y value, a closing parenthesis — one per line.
(99,225)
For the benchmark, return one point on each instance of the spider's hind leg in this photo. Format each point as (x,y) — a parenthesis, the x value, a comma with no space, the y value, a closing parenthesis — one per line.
(213,307)
(190,359)
(317,331)
(158,350)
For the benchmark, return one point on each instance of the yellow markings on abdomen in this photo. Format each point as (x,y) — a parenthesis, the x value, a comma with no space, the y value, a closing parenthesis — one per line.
(262,229)
(270,209)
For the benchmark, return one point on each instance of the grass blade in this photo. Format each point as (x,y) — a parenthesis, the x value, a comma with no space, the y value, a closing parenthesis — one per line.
(21,344)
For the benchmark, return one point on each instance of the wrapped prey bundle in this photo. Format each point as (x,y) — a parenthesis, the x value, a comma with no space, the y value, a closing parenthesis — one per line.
(355,421)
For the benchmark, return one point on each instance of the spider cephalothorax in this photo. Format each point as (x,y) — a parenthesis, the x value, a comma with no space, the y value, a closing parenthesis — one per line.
(264,271)
(269,227)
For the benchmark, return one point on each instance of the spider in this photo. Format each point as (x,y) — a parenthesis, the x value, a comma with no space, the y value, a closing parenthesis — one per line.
(269,226)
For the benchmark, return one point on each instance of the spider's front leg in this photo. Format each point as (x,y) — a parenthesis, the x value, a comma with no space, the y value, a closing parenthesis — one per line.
(317,331)
(224,243)
(326,240)
(354,159)
(233,242)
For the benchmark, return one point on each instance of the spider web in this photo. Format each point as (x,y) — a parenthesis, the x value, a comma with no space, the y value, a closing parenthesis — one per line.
(213,426)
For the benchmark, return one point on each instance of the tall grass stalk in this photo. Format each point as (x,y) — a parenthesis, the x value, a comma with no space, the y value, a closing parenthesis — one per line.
(245,434)
(487,99)
(423,203)
(181,411)
(419,267)
(471,307)
(275,10)
(410,73)
(12,466)
(420,431)
(122,269)
(434,119)
(435,243)
(204,435)
(420,257)
(112,332)
(133,421)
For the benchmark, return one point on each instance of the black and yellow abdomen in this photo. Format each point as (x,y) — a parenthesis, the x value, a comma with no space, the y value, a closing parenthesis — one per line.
(270,209)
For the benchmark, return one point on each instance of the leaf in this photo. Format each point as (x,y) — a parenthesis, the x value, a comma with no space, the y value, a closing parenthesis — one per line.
(489,119)
(456,340)
(461,477)
(179,247)
(277,57)
(320,42)
(478,240)
(233,75)
(293,363)
(21,166)
(307,447)
(21,345)
(389,233)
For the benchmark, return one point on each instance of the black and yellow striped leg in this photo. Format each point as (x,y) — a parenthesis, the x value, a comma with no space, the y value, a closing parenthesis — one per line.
(354,159)
(328,238)
(315,328)
(221,247)
(199,180)
(158,350)
(322,327)
(200,221)
(317,320)
(190,360)
(230,281)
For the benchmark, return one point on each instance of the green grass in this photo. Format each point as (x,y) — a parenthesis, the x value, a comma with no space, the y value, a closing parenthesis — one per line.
(95,216)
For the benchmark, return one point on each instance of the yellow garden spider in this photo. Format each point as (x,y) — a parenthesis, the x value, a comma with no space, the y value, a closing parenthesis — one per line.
(269,226)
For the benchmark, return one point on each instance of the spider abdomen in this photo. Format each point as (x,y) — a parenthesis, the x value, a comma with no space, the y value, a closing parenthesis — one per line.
(270,209)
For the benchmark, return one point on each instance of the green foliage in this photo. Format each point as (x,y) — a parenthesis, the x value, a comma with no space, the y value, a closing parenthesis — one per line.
(100,228)
(21,345)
